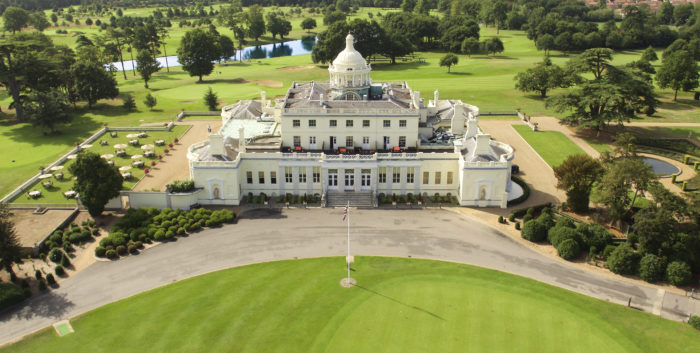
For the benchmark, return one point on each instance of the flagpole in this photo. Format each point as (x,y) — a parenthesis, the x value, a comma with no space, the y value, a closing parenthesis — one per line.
(348,258)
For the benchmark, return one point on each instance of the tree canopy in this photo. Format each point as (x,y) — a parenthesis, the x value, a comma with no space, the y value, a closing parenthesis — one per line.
(48,108)
(97,182)
(449,60)
(146,65)
(576,175)
(10,250)
(679,70)
(198,51)
(543,77)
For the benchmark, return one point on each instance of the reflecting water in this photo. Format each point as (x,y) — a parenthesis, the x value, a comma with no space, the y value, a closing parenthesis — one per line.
(290,48)
(661,168)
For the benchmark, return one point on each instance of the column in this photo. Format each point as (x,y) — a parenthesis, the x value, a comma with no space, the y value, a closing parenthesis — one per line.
(341,179)
(417,181)
(324,180)
(403,180)
(295,180)
(310,180)
(280,179)
(375,179)
(358,176)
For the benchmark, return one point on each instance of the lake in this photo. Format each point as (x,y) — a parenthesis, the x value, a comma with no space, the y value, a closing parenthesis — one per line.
(290,48)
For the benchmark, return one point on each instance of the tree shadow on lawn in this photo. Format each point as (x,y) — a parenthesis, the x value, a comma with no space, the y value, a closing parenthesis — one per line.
(78,130)
(500,57)
(455,73)
(680,104)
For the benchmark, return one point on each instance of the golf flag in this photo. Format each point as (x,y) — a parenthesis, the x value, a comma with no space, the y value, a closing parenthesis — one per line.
(345,213)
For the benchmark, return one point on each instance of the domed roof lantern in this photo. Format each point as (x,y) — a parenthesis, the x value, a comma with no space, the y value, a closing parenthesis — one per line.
(349,69)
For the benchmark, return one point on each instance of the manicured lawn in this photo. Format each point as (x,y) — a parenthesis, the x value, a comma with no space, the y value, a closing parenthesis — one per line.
(552,146)
(399,305)
(598,146)
(54,194)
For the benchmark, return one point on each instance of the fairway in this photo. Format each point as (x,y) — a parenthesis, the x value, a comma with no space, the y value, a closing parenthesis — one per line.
(552,146)
(399,305)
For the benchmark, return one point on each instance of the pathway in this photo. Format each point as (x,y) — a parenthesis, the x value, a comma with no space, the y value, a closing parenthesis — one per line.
(176,165)
(267,235)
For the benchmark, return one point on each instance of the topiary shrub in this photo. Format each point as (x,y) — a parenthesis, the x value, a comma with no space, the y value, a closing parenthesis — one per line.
(695,321)
(55,255)
(121,250)
(608,250)
(65,261)
(546,219)
(95,232)
(169,234)
(623,260)
(132,248)
(534,231)
(651,268)
(159,236)
(527,218)
(180,231)
(111,254)
(594,235)
(38,274)
(67,247)
(566,222)
(511,217)
(517,225)
(100,251)
(500,219)
(678,273)
(556,235)
(50,279)
(59,270)
(569,249)
(42,285)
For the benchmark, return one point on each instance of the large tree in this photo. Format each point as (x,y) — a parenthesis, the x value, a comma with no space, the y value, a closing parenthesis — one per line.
(48,108)
(679,70)
(15,18)
(394,45)
(146,65)
(576,175)
(233,17)
(278,25)
(10,249)
(255,22)
(198,51)
(93,82)
(369,37)
(621,176)
(449,60)
(543,77)
(97,182)
(308,24)
(228,49)
(612,95)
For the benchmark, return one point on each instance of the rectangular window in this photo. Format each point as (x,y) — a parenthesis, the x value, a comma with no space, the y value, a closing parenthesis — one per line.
(449,177)
(333,123)
(410,175)
(348,141)
(249,177)
(387,123)
(302,174)
(365,140)
(365,123)
(312,123)
(312,140)
(273,177)
(261,177)
(382,175)
(396,175)
(296,123)
(402,123)
(438,177)
(426,177)
(297,141)
(317,174)
(348,123)
(402,141)
(288,175)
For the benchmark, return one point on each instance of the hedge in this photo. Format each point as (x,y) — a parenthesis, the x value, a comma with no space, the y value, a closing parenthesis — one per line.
(652,268)
(623,260)
(534,231)
(59,270)
(519,213)
(10,294)
(678,273)
(524,196)
(695,321)
(569,249)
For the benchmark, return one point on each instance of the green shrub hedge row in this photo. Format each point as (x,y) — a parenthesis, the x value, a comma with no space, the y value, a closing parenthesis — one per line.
(143,225)
(71,235)
(521,212)
(181,186)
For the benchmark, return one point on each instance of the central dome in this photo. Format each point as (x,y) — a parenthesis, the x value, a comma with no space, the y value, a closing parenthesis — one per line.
(349,57)
(349,73)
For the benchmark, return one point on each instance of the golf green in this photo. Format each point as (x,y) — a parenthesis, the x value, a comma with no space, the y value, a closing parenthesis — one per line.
(398,305)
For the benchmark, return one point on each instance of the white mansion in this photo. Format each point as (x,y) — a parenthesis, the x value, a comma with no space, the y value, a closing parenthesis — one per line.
(351,138)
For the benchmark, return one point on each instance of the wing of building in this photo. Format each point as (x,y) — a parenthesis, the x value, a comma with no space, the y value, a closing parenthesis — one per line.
(351,137)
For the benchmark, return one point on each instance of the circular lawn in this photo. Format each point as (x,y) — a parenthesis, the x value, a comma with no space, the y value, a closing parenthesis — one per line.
(398,305)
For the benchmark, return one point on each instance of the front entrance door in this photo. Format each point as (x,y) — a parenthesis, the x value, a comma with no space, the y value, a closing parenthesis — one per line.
(387,143)
(312,142)
(349,179)
(365,179)
(333,179)
(334,143)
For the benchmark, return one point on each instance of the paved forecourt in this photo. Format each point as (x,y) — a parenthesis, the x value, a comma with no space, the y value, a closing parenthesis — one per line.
(266,235)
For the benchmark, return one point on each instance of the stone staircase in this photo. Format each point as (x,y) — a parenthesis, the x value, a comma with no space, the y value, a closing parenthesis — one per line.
(357,199)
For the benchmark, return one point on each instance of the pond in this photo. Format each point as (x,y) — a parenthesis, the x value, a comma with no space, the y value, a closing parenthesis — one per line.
(661,168)
(290,48)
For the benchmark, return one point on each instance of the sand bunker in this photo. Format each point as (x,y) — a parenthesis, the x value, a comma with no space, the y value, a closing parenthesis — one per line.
(297,68)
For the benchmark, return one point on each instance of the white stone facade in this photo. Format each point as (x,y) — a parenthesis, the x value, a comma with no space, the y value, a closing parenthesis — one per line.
(324,137)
